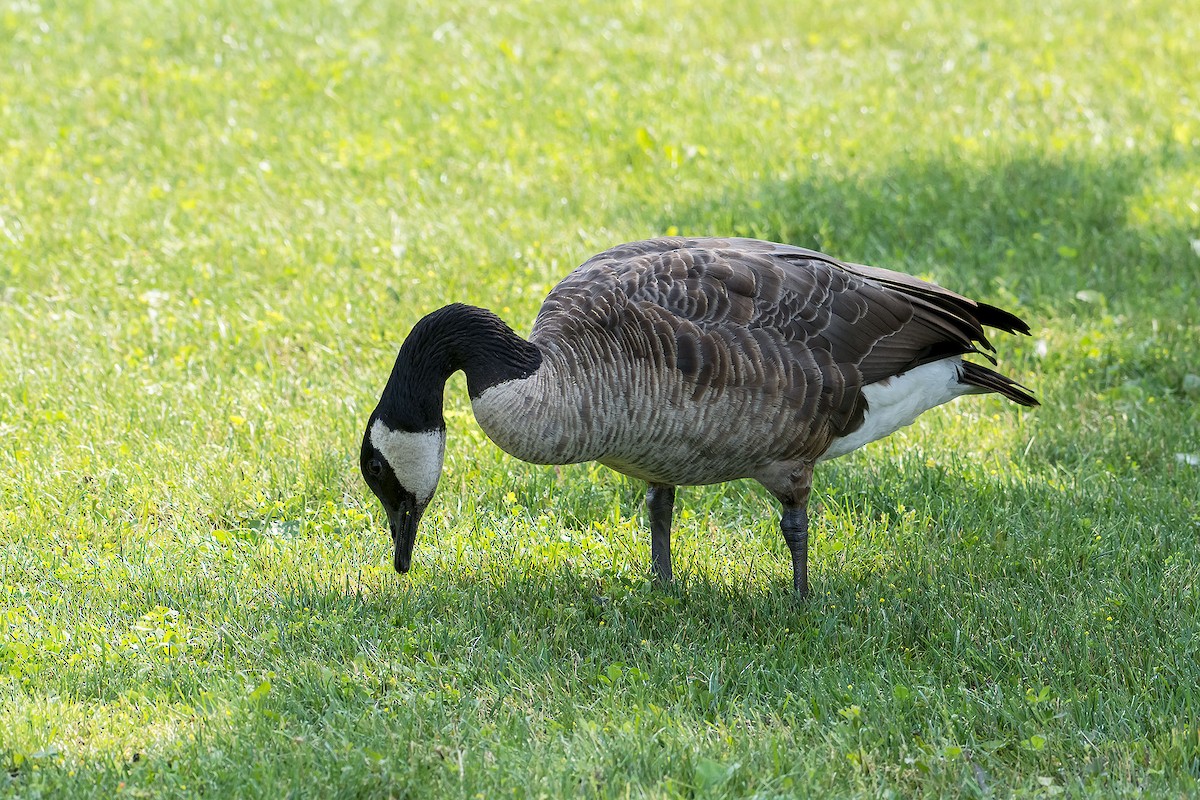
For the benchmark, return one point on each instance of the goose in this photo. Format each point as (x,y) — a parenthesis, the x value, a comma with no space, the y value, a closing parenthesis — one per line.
(684,362)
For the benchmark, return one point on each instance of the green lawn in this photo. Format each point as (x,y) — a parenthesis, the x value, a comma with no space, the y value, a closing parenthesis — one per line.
(219,220)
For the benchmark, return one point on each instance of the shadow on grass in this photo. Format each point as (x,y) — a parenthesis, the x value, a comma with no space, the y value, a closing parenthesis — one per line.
(381,663)
(586,604)
(1040,229)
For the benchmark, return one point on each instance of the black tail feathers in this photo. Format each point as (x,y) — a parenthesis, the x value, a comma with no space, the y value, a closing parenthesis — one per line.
(991,381)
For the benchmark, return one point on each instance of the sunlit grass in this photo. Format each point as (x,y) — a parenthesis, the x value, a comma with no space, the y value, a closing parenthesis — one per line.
(217,223)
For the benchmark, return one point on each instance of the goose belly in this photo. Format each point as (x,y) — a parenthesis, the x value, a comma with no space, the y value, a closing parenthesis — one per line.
(645,425)
(897,402)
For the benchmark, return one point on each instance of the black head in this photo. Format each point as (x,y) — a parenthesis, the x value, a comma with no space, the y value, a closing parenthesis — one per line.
(405,440)
(402,470)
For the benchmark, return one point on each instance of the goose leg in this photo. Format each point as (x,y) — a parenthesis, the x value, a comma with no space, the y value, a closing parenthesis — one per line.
(660,503)
(794,524)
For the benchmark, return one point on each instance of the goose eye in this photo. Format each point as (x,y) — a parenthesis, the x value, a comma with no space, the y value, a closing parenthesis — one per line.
(375,467)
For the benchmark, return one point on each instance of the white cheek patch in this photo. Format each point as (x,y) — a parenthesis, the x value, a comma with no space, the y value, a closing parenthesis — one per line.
(415,458)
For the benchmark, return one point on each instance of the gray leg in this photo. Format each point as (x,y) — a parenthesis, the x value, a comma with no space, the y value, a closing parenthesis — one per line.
(660,503)
(795,532)
(793,495)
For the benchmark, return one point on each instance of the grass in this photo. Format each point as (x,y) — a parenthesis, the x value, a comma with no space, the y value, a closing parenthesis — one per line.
(218,221)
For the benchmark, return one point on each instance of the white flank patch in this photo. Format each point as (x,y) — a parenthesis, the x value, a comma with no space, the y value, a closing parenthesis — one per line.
(415,458)
(895,403)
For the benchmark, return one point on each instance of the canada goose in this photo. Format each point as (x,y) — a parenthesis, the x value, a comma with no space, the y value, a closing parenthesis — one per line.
(683,362)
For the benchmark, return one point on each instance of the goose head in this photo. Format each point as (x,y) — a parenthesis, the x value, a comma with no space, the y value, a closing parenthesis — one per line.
(402,468)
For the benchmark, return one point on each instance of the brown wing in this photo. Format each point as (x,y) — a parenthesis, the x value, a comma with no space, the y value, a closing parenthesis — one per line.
(803,329)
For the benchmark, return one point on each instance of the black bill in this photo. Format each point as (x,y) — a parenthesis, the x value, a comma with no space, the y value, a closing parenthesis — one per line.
(403,522)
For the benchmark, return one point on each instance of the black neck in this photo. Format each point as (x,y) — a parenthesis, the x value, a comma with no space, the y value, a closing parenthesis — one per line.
(456,337)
